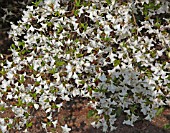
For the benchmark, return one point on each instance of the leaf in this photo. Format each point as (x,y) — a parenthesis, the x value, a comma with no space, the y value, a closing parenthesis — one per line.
(13,46)
(118,111)
(76,12)
(167,126)
(90,113)
(59,63)
(29,124)
(79,55)
(21,79)
(78,2)
(3,72)
(108,2)
(43,63)
(160,110)
(34,95)
(19,102)
(2,108)
(37,2)
(116,63)
(21,43)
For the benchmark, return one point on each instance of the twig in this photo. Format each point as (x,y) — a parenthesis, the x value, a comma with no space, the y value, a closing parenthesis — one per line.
(134,19)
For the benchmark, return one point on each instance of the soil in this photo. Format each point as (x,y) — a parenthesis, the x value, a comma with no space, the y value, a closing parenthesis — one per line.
(75,113)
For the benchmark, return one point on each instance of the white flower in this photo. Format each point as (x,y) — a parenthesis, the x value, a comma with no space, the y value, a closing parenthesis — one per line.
(145,109)
(65,97)
(76,92)
(48,110)
(18,111)
(148,118)
(75,76)
(112,88)
(9,96)
(10,75)
(29,59)
(134,118)
(107,29)
(5,84)
(65,129)
(112,119)
(112,128)
(128,122)
(44,125)
(36,106)
(99,111)
(117,27)
(2,121)
(69,67)
(127,111)
(31,28)
(81,11)
(93,13)
(103,77)
(50,116)
(3,128)
(55,123)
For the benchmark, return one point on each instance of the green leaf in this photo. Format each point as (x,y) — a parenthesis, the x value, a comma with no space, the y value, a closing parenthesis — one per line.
(57,13)
(49,123)
(167,126)
(76,12)
(43,63)
(78,3)
(133,108)
(90,113)
(21,43)
(108,2)
(22,79)
(31,67)
(116,63)
(82,82)
(53,70)
(34,95)
(59,63)
(168,84)
(2,108)
(36,3)
(118,111)
(3,72)
(26,114)
(10,126)
(79,55)
(19,102)
(30,104)
(28,125)
(13,46)
(160,111)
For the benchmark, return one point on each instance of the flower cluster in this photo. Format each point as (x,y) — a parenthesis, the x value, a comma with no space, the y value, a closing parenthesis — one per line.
(116,54)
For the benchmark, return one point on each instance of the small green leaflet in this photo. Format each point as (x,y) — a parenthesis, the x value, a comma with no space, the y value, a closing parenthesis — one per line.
(116,63)
(79,55)
(90,113)
(108,2)
(160,110)
(59,63)
(21,79)
(29,124)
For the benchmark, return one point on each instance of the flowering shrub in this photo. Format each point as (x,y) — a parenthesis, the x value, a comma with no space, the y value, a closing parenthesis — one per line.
(116,54)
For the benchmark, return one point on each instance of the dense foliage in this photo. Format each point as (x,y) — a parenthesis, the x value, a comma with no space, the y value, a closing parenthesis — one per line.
(115,53)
